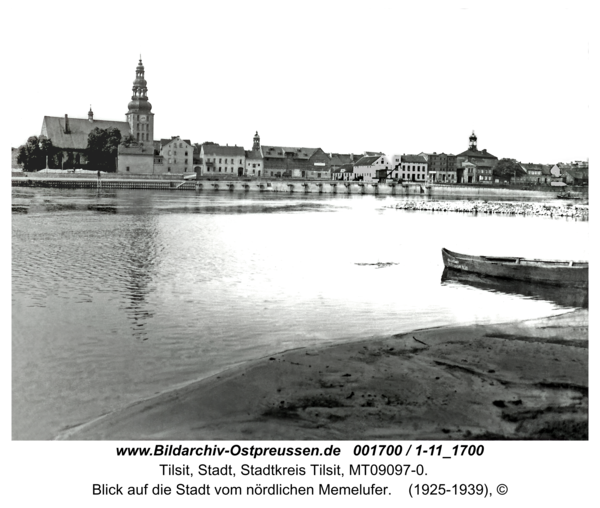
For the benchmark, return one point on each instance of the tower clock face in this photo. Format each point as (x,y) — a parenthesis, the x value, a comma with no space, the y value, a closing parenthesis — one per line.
(143,118)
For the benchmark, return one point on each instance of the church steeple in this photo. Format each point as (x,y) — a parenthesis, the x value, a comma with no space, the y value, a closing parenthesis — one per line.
(139,114)
(473,142)
(90,114)
(256,145)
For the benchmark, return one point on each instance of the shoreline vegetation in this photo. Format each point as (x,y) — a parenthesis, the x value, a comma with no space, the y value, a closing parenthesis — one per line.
(523,380)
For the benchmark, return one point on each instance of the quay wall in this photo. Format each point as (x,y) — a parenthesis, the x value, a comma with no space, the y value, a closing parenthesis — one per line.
(175,182)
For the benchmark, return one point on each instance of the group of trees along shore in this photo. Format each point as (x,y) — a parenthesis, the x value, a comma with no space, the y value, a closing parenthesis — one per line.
(101,152)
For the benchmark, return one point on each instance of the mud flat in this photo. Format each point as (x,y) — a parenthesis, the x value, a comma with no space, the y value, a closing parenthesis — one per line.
(526,380)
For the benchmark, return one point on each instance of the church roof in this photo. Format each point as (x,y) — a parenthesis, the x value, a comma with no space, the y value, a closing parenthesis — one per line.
(53,127)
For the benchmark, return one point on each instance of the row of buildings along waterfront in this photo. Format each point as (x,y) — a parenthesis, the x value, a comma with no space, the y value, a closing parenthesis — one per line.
(145,155)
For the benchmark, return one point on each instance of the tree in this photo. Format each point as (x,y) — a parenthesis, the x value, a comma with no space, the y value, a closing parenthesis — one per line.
(129,140)
(101,151)
(33,153)
(508,169)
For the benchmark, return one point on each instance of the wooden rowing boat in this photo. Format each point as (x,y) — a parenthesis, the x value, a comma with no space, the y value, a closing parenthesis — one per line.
(561,273)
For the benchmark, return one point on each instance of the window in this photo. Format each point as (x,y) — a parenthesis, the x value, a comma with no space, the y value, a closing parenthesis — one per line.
(219,161)
(170,161)
(219,169)
(180,145)
(186,153)
(127,168)
(169,170)
(186,161)
(253,165)
(169,152)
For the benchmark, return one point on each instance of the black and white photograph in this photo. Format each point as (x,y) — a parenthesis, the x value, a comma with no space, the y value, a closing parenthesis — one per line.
(314,223)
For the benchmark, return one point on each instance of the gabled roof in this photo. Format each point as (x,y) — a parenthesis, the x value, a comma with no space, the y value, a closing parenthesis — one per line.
(53,127)
(536,167)
(343,158)
(165,141)
(414,159)
(367,161)
(253,154)
(279,152)
(226,151)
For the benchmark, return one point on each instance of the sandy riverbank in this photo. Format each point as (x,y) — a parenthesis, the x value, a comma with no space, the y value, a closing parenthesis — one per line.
(526,380)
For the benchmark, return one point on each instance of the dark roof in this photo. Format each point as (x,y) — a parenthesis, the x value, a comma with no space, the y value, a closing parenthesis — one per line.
(53,127)
(279,152)
(253,154)
(367,161)
(415,159)
(135,150)
(343,158)
(477,153)
(228,151)
(578,174)
(538,167)
(371,154)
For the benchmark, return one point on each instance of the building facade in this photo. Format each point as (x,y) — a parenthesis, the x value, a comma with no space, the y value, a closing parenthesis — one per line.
(176,155)
(441,167)
(254,159)
(369,168)
(412,168)
(295,162)
(483,161)
(219,161)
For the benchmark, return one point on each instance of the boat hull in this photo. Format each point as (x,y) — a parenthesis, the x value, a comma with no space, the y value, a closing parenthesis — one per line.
(560,273)
(561,295)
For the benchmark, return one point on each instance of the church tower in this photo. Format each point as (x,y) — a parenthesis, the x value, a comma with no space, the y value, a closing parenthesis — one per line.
(473,142)
(256,145)
(139,114)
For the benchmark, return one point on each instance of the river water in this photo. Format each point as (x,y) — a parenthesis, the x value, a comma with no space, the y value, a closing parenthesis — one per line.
(121,295)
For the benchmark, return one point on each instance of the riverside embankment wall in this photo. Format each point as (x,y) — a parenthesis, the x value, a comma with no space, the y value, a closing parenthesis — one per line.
(289,186)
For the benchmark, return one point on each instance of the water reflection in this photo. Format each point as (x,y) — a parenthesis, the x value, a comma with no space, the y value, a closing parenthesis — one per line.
(564,296)
(140,253)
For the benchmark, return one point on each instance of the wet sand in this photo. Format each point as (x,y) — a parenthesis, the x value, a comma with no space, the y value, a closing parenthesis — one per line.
(525,380)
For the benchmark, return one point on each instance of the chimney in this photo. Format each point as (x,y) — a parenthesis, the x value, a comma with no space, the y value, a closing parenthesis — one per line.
(67,130)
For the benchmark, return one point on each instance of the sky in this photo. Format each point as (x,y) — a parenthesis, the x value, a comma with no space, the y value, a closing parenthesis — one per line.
(349,77)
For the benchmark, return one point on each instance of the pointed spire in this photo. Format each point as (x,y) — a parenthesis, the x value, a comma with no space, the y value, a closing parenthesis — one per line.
(90,114)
